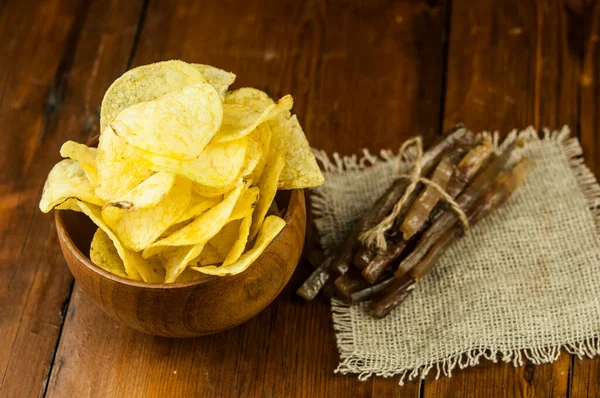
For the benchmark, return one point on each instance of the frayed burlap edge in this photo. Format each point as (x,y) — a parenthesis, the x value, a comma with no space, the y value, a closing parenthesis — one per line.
(352,363)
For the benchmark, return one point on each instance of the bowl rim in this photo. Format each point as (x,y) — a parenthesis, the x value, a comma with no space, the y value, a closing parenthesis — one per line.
(65,237)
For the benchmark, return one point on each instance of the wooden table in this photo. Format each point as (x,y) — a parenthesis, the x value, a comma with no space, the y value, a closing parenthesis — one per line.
(364,75)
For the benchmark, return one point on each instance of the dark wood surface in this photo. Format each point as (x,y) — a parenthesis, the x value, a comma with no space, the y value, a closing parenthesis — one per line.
(363,73)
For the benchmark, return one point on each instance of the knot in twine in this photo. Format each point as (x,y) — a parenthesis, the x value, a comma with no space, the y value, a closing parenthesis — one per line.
(376,235)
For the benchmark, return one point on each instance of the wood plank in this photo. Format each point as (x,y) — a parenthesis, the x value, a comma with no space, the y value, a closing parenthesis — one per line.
(62,56)
(590,87)
(490,379)
(585,378)
(511,64)
(585,374)
(365,74)
(35,56)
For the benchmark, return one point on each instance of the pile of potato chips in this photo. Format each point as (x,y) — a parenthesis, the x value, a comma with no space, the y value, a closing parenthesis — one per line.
(183,180)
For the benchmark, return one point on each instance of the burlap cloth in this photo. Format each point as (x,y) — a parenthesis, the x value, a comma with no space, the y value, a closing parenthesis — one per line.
(524,282)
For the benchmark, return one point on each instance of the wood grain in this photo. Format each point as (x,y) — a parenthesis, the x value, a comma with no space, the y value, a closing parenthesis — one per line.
(510,65)
(585,378)
(35,43)
(590,86)
(585,373)
(62,55)
(365,74)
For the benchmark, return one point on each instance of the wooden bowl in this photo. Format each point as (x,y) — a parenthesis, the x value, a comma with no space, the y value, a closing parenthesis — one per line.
(187,309)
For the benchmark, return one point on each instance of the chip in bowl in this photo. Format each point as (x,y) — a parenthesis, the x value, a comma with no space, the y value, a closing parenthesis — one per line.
(185,174)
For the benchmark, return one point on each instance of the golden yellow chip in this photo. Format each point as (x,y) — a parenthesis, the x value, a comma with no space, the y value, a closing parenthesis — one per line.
(219,166)
(202,229)
(67,180)
(251,97)
(256,155)
(245,204)
(209,255)
(212,192)
(146,83)
(268,189)
(218,78)
(188,275)
(215,251)
(239,245)
(136,266)
(240,120)
(178,260)
(104,254)
(137,229)
(69,204)
(119,167)
(197,206)
(149,193)
(218,247)
(173,228)
(269,230)
(178,125)
(86,157)
(301,169)
(171,183)
(227,243)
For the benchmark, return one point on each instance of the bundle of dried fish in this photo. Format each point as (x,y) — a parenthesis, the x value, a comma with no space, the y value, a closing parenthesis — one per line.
(453,185)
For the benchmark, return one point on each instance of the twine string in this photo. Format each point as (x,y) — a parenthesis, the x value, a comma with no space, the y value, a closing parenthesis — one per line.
(376,235)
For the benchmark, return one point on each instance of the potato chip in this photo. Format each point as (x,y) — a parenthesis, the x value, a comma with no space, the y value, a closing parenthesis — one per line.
(146,83)
(177,125)
(219,166)
(104,254)
(178,260)
(171,183)
(218,78)
(209,255)
(256,154)
(240,120)
(202,229)
(268,189)
(86,157)
(301,169)
(67,180)
(239,245)
(245,204)
(136,266)
(149,193)
(173,228)
(197,206)
(217,248)
(212,192)
(269,230)
(69,204)
(188,275)
(215,251)
(137,229)
(251,97)
(227,241)
(119,167)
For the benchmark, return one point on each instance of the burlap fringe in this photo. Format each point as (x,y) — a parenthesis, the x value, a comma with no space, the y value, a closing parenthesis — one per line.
(342,319)
(344,164)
